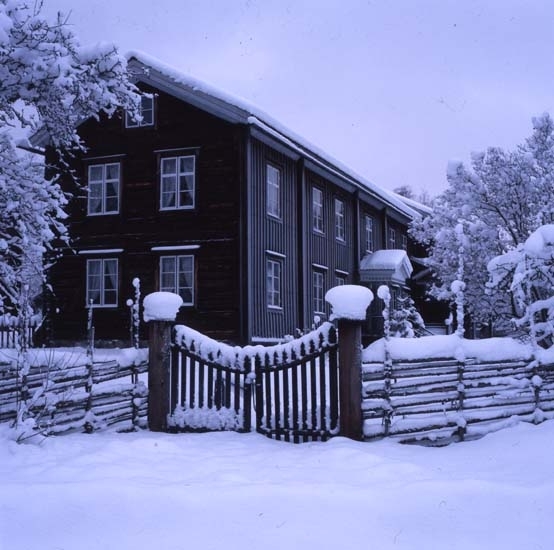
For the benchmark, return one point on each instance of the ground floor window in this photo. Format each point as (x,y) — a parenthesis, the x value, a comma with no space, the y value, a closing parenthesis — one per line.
(274,269)
(319,291)
(177,275)
(102,277)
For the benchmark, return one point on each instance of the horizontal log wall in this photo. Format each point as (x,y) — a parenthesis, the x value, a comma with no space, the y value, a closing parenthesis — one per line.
(58,400)
(453,400)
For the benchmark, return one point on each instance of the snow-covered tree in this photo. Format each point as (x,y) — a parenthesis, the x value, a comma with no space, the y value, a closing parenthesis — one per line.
(405,319)
(528,272)
(499,201)
(47,82)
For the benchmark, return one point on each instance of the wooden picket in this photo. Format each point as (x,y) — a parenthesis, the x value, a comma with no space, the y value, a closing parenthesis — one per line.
(297,397)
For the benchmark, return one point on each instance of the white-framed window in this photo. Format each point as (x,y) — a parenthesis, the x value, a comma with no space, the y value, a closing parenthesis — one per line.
(340,280)
(340,221)
(392,238)
(273,186)
(274,270)
(318,282)
(102,282)
(317,209)
(177,182)
(103,188)
(177,276)
(369,234)
(404,238)
(146,112)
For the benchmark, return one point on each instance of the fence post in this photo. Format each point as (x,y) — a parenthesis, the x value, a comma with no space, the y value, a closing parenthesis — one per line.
(350,378)
(160,310)
(349,304)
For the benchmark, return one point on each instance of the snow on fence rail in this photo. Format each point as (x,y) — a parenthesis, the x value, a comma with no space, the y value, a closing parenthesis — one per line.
(454,398)
(59,396)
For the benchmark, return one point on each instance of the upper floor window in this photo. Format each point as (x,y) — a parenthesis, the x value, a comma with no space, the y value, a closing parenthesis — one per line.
(340,225)
(340,280)
(273,282)
(369,234)
(177,183)
(392,238)
(317,209)
(177,275)
(146,113)
(102,282)
(273,181)
(319,291)
(103,188)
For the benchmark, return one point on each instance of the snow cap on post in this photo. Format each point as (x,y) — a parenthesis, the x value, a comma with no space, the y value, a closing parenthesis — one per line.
(349,302)
(161,306)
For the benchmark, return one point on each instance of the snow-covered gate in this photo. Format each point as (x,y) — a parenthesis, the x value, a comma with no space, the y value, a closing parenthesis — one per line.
(291,390)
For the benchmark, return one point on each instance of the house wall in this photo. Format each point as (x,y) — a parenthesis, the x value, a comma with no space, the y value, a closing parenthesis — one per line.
(212,226)
(272,237)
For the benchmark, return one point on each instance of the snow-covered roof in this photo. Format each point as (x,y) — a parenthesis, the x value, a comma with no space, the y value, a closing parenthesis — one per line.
(151,71)
(386,265)
(416,205)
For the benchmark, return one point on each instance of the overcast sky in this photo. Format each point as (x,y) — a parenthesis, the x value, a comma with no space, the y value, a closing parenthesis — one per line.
(391,88)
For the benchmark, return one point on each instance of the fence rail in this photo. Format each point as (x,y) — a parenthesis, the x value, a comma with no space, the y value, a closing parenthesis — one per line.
(452,400)
(61,397)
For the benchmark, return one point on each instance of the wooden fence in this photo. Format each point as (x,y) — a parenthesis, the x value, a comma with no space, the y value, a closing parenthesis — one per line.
(449,400)
(62,397)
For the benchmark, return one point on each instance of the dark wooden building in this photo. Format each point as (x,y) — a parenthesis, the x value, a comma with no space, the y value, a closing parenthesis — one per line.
(208,197)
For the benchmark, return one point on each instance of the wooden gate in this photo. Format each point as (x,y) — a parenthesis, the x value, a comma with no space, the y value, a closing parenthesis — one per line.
(297,394)
(211,386)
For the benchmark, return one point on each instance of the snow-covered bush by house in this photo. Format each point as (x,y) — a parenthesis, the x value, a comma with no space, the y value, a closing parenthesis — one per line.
(405,319)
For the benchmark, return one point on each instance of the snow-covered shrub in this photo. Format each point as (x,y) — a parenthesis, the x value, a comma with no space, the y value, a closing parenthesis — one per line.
(528,272)
(405,319)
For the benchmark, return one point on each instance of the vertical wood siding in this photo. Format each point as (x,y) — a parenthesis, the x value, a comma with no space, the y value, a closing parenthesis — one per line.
(276,235)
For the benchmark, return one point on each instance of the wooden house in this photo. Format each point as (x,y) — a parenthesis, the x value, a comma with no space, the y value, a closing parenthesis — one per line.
(208,197)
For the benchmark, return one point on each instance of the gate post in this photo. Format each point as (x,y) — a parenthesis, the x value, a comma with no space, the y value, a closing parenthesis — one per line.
(160,310)
(349,304)
(350,378)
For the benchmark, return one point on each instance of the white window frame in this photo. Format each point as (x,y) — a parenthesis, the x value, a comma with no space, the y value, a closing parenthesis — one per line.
(175,272)
(146,106)
(318,293)
(369,228)
(273,190)
(340,280)
(177,175)
(103,277)
(340,221)
(274,282)
(102,184)
(317,210)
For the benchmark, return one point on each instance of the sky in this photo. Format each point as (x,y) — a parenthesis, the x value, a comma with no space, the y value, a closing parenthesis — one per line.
(394,89)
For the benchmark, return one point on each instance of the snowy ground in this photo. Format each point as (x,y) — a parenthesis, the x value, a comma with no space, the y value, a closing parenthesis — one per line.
(230,491)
